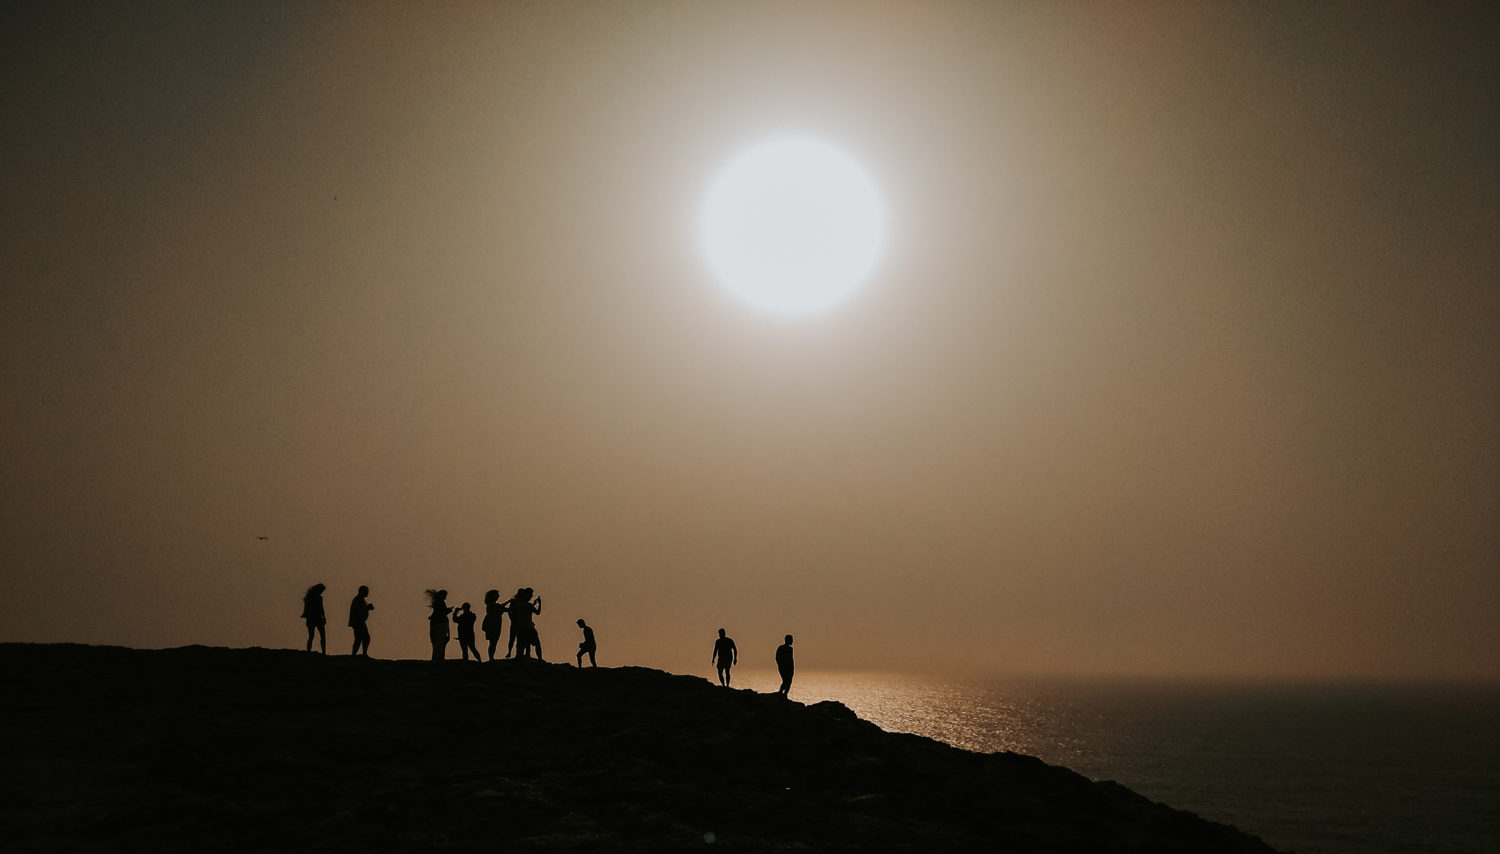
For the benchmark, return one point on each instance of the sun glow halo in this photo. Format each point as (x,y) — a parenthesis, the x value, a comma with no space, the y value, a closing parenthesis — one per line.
(792,225)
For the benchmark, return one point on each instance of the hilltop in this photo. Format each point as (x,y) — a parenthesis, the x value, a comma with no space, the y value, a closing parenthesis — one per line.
(249,749)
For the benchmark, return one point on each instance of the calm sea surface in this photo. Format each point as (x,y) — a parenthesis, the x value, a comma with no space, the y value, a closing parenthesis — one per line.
(1316,769)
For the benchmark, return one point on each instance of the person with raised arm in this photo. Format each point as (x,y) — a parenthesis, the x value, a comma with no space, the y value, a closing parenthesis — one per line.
(464,619)
(522,626)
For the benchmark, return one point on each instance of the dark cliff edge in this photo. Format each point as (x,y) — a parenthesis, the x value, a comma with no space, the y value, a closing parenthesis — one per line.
(110,749)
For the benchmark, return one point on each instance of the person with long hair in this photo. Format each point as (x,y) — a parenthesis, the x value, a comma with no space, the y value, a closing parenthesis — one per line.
(437,621)
(494,613)
(312,612)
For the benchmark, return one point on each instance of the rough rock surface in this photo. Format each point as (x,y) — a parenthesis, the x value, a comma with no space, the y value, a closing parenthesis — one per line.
(199,749)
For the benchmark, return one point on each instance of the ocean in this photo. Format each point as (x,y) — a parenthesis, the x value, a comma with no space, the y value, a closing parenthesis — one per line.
(1309,768)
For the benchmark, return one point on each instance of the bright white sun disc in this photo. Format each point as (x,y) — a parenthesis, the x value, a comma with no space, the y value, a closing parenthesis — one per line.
(792,225)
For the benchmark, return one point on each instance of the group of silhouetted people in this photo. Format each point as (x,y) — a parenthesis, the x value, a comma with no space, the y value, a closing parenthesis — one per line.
(317,619)
(520,608)
(727,655)
(444,621)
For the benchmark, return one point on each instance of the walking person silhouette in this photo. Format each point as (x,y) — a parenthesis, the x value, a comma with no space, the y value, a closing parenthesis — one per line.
(359,618)
(312,612)
(494,612)
(437,622)
(464,619)
(588,645)
(785,665)
(725,656)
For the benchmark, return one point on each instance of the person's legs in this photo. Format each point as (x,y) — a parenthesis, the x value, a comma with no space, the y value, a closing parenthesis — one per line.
(494,641)
(310,630)
(322,639)
(592,662)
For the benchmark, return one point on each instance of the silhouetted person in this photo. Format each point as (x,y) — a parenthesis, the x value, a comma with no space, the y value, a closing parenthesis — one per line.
(359,618)
(785,666)
(522,627)
(437,622)
(312,612)
(464,619)
(588,645)
(725,656)
(494,613)
(516,631)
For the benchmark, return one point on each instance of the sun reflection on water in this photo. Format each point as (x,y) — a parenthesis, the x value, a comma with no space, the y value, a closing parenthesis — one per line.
(984,718)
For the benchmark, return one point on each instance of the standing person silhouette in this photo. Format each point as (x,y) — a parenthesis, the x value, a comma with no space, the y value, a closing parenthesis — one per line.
(516,632)
(312,612)
(522,627)
(588,645)
(464,619)
(494,613)
(785,665)
(359,618)
(437,622)
(725,655)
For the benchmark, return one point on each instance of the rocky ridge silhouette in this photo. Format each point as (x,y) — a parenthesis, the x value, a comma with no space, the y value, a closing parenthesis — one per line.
(251,750)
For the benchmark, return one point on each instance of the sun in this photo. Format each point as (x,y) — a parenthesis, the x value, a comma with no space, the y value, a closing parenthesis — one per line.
(793,225)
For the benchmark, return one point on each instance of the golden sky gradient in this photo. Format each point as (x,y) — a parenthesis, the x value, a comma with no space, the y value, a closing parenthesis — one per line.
(1184,358)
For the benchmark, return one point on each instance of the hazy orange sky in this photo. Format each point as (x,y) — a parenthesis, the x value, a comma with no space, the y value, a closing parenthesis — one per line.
(1184,357)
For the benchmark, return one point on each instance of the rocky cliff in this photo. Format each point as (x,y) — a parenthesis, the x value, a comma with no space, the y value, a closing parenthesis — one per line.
(265,750)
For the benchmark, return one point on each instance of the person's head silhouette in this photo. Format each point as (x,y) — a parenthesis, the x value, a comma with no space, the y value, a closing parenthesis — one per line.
(788,640)
(491,596)
(721,632)
(580,622)
(363,590)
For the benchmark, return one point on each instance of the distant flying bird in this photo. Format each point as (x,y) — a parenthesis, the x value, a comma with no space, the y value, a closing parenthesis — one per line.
(263,538)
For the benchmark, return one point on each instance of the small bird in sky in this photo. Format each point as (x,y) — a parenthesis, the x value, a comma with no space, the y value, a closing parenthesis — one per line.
(263,538)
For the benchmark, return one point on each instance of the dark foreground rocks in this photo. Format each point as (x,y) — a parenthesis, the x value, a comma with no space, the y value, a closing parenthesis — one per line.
(198,749)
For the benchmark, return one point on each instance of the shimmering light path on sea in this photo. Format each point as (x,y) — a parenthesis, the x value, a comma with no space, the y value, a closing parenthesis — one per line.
(1317,769)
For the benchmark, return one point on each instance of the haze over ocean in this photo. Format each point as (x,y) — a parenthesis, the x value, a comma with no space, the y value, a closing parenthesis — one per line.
(1315,768)
(1180,358)
(1169,349)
